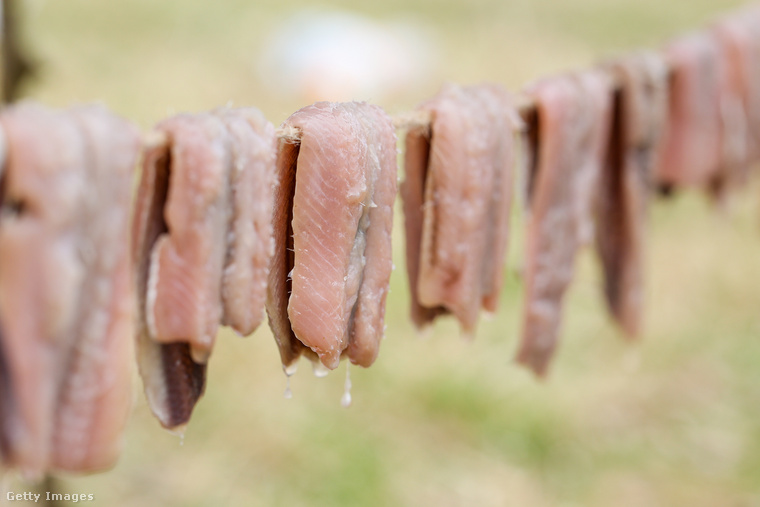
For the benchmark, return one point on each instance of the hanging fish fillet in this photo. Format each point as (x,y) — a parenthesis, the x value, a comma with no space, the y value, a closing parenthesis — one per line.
(328,284)
(739,47)
(571,136)
(250,241)
(692,147)
(203,242)
(65,290)
(457,198)
(639,115)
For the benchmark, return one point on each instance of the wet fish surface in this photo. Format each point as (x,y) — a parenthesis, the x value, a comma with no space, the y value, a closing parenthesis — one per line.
(332,265)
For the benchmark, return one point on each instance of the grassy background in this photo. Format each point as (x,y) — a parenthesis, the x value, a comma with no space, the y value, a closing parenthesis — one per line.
(672,420)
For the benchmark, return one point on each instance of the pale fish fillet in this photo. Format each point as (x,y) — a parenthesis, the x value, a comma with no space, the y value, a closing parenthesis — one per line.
(692,149)
(466,184)
(739,47)
(249,243)
(173,382)
(185,273)
(65,336)
(639,114)
(344,187)
(416,157)
(572,122)
(95,398)
(40,275)
(368,326)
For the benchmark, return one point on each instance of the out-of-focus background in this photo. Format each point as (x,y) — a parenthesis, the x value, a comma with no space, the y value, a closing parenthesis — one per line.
(671,420)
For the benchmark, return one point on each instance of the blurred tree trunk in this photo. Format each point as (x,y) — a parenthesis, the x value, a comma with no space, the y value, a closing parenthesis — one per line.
(15,64)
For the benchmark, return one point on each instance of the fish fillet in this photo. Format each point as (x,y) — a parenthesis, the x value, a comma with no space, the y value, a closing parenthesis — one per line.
(250,242)
(65,291)
(185,274)
(639,115)
(457,198)
(572,122)
(202,238)
(692,148)
(343,181)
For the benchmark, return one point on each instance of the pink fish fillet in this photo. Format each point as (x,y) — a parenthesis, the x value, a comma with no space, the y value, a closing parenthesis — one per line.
(572,122)
(344,181)
(202,235)
(185,274)
(639,114)
(250,241)
(692,148)
(65,291)
(739,47)
(457,198)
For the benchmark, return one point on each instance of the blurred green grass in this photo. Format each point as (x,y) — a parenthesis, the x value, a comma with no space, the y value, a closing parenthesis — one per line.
(671,420)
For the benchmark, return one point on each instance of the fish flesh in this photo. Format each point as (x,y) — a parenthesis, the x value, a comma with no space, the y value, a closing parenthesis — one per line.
(692,147)
(65,287)
(332,265)
(202,242)
(571,127)
(457,197)
(250,243)
(739,47)
(640,107)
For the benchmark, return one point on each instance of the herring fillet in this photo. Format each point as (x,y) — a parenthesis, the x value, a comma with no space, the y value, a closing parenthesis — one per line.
(342,176)
(368,326)
(249,243)
(739,45)
(573,115)
(457,197)
(185,273)
(691,146)
(65,296)
(172,381)
(638,119)
(95,398)
(416,156)
(38,243)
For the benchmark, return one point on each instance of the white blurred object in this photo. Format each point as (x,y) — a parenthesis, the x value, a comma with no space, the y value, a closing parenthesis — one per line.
(318,55)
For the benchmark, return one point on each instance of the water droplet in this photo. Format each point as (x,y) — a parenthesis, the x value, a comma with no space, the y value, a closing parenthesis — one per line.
(290,369)
(320,370)
(288,394)
(345,400)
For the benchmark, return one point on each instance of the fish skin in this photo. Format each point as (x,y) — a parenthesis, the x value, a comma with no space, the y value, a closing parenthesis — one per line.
(342,197)
(250,242)
(66,196)
(467,174)
(639,115)
(692,139)
(416,156)
(279,281)
(185,274)
(573,124)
